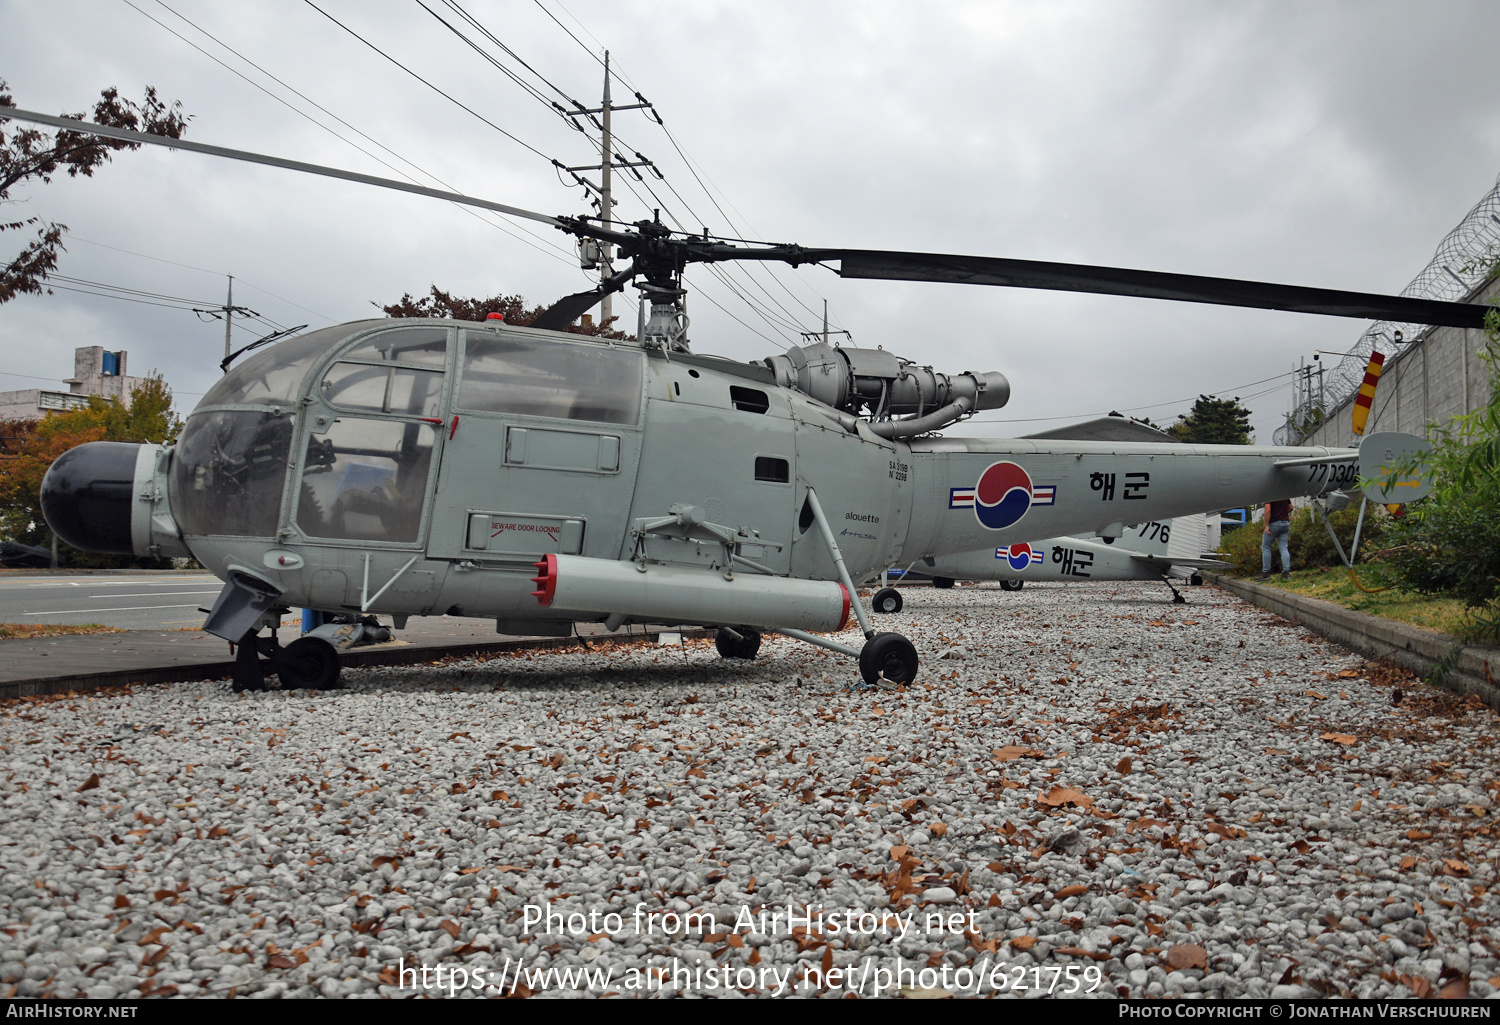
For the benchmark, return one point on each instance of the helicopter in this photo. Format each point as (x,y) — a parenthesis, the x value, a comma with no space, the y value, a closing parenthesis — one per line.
(1147,551)
(540,478)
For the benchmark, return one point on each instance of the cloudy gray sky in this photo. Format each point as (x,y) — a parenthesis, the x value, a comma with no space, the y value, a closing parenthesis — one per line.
(1330,144)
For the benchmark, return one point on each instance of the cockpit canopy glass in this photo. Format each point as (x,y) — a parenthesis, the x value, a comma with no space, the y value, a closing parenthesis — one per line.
(273,377)
(228,472)
(511,373)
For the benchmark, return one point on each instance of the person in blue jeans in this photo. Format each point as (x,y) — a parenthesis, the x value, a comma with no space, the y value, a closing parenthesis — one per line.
(1279,530)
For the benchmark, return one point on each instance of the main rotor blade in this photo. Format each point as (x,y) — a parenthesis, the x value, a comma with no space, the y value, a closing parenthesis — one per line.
(570,307)
(567,309)
(127,135)
(1073,277)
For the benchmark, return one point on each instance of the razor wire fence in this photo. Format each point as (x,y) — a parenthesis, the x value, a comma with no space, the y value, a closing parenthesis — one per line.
(1467,257)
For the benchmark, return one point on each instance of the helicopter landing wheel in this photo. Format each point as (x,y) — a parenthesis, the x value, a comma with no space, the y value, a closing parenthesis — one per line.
(1196,580)
(1012,585)
(248,673)
(889,655)
(308,664)
(942,582)
(887,600)
(746,646)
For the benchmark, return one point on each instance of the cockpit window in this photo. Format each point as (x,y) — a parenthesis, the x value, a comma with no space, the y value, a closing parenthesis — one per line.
(273,377)
(384,389)
(514,374)
(427,346)
(365,480)
(228,473)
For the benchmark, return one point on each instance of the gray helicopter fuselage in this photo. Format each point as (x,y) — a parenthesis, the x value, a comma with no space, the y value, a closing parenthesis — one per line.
(425,467)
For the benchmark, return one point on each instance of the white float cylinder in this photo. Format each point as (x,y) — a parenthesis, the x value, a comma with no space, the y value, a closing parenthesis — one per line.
(674,594)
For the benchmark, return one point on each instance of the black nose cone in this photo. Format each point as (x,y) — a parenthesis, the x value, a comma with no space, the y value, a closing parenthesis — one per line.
(86,496)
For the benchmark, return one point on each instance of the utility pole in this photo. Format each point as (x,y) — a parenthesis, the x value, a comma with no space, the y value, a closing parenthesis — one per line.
(228,311)
(813,336)
(601,256)
(606,251)
(229,317)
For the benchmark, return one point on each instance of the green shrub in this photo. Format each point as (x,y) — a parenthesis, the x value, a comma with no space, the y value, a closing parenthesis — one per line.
(1311,546)
(1449,542)
(1241,546)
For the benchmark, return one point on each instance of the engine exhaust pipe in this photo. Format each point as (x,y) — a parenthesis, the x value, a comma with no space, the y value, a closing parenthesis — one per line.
(673,594)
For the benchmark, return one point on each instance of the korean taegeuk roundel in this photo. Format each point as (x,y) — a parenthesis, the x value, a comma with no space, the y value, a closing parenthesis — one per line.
(1002,496)
(1019,556)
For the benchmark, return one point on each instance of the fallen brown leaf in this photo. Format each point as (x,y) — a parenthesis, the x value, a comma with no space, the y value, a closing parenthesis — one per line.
(1182,956)
(1456,989)
(1012,751)
(1059,796)
(1123,766)
(1340,738)
(89,784)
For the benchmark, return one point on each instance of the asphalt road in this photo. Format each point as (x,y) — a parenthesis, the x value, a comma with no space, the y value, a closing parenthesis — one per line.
(132,601)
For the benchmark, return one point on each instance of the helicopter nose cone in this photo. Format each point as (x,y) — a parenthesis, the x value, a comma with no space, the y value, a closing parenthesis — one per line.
(86,496)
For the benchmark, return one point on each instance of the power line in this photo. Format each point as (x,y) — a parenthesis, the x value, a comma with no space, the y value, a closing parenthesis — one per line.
(511,230)
(530,89)
(693,169)
(766,314)
(201,270)
(1136,409)
(419,78)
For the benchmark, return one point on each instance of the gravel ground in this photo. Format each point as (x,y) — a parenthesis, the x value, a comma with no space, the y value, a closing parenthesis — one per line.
(1092,790)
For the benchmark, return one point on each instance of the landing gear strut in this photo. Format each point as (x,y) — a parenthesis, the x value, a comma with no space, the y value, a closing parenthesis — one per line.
(308,663)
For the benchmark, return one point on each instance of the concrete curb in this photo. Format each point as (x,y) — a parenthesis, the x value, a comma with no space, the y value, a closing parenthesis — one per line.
(1410,647)
(395,655)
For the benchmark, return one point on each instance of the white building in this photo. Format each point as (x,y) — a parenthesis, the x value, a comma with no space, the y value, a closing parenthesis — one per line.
(95,372)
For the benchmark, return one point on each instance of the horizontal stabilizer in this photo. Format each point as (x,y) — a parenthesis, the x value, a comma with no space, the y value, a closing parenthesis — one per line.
(1158,562)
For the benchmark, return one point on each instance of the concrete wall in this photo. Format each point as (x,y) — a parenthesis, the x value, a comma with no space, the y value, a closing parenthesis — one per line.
(1432,379)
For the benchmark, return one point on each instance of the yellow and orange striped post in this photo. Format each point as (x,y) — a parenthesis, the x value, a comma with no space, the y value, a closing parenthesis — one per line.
(1367,392)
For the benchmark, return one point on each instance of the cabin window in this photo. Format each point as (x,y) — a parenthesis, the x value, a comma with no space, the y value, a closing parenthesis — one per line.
(513,374)
(749,400)
(228,473)
(365,480)
(425,346)
(773,470)
(384,388)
